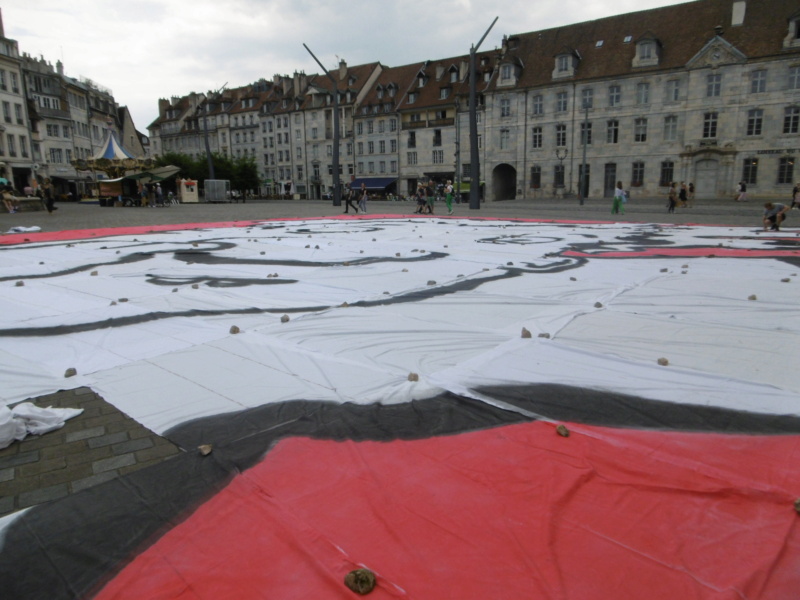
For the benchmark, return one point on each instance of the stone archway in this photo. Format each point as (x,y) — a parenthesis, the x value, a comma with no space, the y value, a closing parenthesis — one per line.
(504,182)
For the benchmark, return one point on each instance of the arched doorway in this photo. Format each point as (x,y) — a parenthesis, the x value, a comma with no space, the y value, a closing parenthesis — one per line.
(504,182)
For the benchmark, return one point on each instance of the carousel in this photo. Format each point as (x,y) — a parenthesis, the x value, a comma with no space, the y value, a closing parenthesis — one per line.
(124,173)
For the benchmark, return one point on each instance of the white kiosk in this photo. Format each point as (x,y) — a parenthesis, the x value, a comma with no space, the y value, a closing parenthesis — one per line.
(187,190)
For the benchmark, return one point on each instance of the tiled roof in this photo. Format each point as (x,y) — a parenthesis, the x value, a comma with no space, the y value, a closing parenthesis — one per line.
(682,30)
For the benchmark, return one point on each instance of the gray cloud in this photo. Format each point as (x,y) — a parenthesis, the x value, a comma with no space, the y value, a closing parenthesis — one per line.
(143,50)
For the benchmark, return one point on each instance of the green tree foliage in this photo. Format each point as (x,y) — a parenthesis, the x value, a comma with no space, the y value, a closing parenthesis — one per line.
(241,172)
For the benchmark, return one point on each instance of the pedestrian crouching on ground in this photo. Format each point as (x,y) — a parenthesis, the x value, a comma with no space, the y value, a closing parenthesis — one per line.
(774,215)
(672,198)
(9,200)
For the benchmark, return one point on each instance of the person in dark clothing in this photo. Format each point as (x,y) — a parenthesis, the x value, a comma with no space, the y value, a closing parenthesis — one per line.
(348,202)
(49,196)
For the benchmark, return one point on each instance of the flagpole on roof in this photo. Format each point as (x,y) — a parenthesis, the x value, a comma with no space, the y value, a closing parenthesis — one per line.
(205,130)
(475,171)
(337,193)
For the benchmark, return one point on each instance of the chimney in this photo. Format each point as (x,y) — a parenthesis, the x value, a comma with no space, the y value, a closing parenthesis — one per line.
(2,29)
(342,69)
(737,16)
(60,68)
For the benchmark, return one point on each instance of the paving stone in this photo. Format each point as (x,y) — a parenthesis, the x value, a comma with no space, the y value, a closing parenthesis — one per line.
(132,446)
(45,494)
(87,482)
(104,420)
(7,505)
(41,466)
(123,425)
(65,449)
(107,440)
(115,462)
(22,458)
(90,455)
(67,475)
(36,442)
(86,434)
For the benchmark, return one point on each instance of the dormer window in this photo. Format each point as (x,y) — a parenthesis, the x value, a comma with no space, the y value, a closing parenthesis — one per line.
(285,103)
(444,93)
(421,80)
(380,93)
(453,76)
(792,39)
(648,50)
(392,91)
(506,73)
(566,63)
(412,97)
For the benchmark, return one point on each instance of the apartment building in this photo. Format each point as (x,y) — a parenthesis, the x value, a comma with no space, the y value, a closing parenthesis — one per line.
(15,149)
(705,92)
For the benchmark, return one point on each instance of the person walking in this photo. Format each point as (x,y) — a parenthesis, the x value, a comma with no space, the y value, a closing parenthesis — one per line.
(159,195)
(619,198)
(741,192)
(362,199)
(420,198)
(448,196)
(672,198)
(49,196)
(691,195)
(796,196)
(683,195)
(348,202)
(430,197)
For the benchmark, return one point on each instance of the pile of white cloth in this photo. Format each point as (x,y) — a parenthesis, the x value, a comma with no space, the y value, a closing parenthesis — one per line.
(28,419)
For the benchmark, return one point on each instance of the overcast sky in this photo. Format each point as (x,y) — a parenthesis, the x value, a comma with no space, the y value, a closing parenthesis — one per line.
(143,50)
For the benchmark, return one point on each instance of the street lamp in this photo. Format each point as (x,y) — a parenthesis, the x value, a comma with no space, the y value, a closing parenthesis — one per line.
(475,171)
(561,158)
(337,193)
(585,142)
(205,130)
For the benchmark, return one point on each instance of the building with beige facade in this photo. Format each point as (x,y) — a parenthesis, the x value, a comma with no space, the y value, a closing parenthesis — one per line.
(706,92)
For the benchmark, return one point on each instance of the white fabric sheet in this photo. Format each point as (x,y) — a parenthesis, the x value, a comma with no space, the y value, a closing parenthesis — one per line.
(370,302)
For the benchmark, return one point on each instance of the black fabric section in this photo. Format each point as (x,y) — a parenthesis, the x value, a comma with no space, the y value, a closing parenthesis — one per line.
(608,409)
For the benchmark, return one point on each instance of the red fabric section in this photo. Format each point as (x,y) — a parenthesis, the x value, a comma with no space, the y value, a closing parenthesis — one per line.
(689,252)
(516,512)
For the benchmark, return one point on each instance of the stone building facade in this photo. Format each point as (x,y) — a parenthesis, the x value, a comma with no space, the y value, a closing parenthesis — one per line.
(706,92)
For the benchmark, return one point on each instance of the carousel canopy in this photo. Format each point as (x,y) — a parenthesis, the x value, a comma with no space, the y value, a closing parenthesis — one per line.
(112,149)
